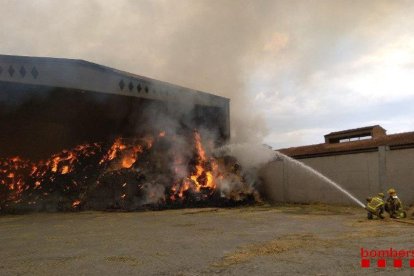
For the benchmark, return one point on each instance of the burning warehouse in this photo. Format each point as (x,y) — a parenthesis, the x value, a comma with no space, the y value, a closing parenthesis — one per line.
(81,135)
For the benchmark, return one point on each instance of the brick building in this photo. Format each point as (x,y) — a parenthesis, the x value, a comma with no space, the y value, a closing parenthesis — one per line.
(364,161)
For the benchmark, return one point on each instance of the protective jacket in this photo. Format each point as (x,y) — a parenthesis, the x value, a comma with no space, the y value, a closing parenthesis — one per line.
(375,204)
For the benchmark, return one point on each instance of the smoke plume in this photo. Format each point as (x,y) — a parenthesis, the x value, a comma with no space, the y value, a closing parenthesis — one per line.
(205,45)
(282,60)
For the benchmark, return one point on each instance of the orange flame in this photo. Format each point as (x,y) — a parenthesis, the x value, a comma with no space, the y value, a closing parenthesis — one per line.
(112,152)
(76,203)
(127,153)
(199,147)
(206,169)
(201,179)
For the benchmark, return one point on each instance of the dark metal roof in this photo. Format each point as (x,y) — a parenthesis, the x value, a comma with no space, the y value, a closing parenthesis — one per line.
(89,76)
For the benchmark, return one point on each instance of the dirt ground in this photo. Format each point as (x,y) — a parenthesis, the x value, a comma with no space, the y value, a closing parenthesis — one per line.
(259,240)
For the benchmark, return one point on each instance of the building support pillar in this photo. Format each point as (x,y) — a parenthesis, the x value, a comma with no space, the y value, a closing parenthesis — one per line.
(382,168)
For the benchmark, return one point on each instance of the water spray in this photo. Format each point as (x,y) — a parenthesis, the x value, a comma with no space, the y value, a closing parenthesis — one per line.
(282,156)
(258,155)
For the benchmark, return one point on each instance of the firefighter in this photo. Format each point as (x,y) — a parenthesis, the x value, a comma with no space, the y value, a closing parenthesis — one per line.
(375,206)
(394,205)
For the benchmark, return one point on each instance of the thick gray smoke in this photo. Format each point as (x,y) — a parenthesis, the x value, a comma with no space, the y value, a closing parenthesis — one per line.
(205,45)
(228,47)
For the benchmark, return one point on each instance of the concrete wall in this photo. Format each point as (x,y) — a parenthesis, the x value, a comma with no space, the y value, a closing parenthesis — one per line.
(400,173)
(362,174)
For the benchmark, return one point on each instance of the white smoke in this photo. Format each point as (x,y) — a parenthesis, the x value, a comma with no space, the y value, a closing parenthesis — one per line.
(153,193)
(250,156)
(204,45)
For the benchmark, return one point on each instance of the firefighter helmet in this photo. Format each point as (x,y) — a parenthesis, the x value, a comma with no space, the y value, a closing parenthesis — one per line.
(381,195)
(391,191)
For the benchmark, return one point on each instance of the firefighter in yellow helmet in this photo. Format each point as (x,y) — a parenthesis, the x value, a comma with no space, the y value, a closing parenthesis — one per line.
(394,205)
(375,206)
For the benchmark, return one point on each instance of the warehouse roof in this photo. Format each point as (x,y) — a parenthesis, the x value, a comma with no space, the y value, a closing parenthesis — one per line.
(87,76)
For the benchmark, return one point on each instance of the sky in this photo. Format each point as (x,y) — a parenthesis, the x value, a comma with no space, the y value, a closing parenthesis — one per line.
(293,70)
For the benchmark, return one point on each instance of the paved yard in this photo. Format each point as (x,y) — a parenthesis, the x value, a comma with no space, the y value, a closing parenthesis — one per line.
(259,240)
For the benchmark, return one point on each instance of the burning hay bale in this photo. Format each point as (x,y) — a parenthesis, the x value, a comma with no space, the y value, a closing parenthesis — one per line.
(128,174)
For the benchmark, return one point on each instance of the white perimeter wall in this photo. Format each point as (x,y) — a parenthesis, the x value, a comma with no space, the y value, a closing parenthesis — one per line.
(362,174)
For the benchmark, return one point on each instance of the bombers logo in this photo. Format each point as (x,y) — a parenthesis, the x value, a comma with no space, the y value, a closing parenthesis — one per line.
(387,257)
